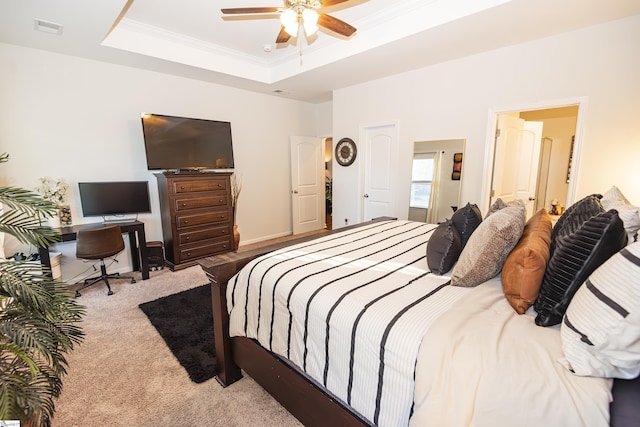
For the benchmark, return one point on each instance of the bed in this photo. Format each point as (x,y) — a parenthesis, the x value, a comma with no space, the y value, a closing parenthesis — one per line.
(353,328)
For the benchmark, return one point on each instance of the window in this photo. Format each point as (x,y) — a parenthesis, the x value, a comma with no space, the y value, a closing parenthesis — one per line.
(421,180)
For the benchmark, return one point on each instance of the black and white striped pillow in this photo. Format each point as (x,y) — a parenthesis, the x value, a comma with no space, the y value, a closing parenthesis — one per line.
(600,332)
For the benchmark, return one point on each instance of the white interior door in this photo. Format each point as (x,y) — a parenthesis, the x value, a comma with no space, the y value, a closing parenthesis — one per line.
(517,155)
(380,146)
(307,181)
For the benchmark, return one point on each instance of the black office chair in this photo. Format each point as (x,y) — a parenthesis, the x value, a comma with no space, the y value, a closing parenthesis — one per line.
(98,244)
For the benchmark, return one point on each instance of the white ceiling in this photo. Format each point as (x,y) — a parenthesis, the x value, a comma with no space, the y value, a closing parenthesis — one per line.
(191,38)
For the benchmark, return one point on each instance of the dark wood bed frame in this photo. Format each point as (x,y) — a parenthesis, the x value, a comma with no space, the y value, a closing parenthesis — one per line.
(305,400)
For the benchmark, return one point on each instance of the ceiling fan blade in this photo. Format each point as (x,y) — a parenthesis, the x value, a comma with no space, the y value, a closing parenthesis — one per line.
(238,10)
(334,24)
(283,36)
(328,3)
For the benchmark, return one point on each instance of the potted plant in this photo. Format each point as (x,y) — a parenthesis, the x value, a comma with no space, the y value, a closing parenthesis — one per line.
(55,191)
(38,316)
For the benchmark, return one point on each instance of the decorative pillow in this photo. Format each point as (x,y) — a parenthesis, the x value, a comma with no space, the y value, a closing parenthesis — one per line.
(629,214)
(613,197)
(575,216)
(443,248)
(576,256)
(488,247)
(524,267)
(466,220)
(601,331)
(500,204)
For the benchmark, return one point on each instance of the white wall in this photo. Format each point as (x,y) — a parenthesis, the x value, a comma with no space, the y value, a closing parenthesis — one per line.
(63,116)
(452,100)
(324,119)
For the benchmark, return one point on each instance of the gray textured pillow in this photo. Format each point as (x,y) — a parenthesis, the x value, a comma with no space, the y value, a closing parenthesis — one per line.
(488,247)
(500,204)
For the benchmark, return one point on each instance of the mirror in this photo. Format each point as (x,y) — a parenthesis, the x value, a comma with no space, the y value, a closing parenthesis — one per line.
(436,175)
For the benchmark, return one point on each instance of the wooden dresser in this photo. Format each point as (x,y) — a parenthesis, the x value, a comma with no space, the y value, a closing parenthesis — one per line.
(196,216)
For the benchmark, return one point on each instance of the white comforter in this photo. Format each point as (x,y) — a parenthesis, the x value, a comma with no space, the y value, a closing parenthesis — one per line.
(482,364)
(352,310)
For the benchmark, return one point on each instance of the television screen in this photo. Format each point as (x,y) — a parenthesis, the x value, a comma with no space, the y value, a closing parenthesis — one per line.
(175,143)
(114,198)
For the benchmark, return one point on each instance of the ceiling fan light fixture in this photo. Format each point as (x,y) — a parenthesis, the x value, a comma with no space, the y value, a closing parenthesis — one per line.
(310,21)
(292,29)
(289,19)
(300,13)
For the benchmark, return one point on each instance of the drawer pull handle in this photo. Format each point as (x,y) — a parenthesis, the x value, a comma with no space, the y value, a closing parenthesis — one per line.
(182,187)
(184,204)
(186,222)
(188,253)
(187,238)
(220,201)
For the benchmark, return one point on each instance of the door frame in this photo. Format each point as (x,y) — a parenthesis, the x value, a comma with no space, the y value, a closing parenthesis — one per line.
(581,102)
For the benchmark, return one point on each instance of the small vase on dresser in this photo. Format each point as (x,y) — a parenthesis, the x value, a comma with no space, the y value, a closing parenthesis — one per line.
(236,238)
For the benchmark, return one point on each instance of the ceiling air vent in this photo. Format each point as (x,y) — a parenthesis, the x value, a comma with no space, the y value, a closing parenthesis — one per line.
(47,27)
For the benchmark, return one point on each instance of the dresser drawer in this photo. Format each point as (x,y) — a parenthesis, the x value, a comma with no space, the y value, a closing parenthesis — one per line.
(205,218)
(201,251)
(198,185)
(185,237)
(185,203)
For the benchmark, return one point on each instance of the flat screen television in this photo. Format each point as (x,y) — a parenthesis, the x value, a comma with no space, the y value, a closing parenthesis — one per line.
(180,143)
(114,198)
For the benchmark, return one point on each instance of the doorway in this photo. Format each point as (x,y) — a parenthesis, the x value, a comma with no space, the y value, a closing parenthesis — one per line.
(556,157)
(516,160)
(328,182)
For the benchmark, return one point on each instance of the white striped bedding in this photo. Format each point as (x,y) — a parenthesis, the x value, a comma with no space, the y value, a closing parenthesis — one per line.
(350,310)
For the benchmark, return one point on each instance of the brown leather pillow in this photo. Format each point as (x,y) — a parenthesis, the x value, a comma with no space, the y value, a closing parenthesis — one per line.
(524,268)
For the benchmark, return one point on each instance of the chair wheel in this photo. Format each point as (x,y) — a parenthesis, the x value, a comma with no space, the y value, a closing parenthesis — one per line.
(78,294)
(133,280)
(110,292)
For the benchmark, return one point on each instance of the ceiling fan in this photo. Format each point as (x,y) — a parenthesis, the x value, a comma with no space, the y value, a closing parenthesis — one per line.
(297,13)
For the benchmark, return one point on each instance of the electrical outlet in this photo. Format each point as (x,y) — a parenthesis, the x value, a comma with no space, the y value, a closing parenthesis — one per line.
(346,221)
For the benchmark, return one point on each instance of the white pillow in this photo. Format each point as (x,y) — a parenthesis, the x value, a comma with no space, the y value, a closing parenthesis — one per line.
(629,214)
(600,332)
(613,197)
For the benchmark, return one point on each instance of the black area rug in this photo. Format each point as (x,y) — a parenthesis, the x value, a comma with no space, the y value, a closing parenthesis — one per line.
(185,322)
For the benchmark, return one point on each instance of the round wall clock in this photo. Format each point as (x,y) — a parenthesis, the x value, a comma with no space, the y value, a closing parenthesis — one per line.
(346,152)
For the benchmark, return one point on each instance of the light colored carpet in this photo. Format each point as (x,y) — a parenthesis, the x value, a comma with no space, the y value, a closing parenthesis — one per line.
(123,374)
